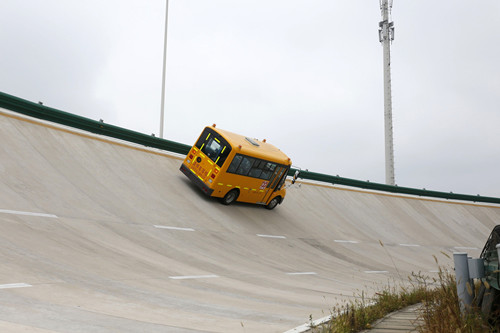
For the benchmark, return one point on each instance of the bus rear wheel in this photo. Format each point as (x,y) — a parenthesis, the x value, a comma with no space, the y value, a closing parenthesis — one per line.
(230,197)
(273,203)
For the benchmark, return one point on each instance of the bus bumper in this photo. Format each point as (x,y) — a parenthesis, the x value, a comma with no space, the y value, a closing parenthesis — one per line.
(197,181)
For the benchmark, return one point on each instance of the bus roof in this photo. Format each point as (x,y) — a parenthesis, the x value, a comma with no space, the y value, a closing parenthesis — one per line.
(254,147)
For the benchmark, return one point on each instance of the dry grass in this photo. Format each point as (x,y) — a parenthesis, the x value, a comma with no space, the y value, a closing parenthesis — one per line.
(440,311)
(359,314)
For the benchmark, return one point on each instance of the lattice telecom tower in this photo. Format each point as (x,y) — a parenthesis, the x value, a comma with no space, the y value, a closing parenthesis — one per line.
(386,36)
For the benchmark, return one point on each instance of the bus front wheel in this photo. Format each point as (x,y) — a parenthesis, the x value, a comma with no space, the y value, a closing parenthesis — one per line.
(273,203)
(230,197)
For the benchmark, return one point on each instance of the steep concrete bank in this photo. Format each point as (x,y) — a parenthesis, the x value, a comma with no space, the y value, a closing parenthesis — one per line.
(98,235)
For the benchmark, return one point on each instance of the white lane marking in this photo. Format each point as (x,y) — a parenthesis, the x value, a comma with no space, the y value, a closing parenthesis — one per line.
(302,273)
(186,277)
(376,272)
(410,245)
(173,228)
(307,327)
(271,236)
(345,241)
(15,212)
(465,248)
(14,285)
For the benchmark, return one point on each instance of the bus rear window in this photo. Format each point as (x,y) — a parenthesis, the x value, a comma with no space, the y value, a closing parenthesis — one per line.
(214,146)
(212,149)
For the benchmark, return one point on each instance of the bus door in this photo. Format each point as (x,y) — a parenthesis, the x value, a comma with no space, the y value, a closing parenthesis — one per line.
(275,181)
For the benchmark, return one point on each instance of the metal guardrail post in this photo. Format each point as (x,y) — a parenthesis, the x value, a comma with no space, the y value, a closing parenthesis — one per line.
(464,287)
(476,268)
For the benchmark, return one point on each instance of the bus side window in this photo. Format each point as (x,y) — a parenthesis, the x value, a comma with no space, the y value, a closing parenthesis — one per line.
(256,169)
(267,171)
(251,167)
(235,164)
(245,166)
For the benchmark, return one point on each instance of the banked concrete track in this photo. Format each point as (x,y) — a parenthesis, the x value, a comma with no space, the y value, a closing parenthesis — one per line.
(98,235)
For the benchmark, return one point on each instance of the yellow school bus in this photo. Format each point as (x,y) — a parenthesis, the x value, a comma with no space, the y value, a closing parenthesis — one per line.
(234,167)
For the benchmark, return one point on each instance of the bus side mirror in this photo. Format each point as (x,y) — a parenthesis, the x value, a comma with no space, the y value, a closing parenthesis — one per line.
(295,176)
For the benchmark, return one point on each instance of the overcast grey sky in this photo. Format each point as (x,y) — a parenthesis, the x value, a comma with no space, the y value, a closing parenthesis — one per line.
(304,74)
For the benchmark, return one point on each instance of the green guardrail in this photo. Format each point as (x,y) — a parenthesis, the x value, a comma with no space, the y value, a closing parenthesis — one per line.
(39,111)
(390,188)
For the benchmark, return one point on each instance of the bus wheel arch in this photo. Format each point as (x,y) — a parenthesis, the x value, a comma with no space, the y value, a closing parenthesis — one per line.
(274,202)
(230,197)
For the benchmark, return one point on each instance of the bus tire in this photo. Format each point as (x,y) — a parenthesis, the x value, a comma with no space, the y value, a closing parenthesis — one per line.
(273,203)
(230,197)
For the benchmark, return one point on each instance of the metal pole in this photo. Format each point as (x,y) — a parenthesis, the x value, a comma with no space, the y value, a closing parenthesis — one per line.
(386,35)
(162,113)
(462,277)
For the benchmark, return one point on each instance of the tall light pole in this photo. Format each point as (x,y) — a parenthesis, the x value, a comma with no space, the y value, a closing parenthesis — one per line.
(386,36)
(162,113)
